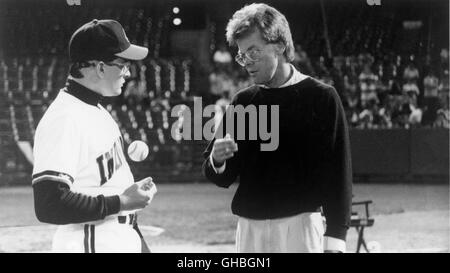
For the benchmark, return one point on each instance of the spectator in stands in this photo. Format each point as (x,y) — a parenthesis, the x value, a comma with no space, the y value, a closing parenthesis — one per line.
(351,93)
(220,82)
(411,72)
(415,117)
(442,119)
(365,59)
(370,118)
(444,85)
(382,84)
(401,112)
(390,78)
(337,75)
(430,102)
(365,119)
(443,114)
(394,88)
(378,118)
(321,68)
(385,112)
(444,63)
(410,87)
(222,55)
(430,85)
(406,113)
(215,80)
(222,58)
(411,78)
(368,82)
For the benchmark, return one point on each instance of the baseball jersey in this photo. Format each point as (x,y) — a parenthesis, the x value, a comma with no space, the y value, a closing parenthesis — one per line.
(78,143)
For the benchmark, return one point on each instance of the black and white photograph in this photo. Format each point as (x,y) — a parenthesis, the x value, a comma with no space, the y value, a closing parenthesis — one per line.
(224,126)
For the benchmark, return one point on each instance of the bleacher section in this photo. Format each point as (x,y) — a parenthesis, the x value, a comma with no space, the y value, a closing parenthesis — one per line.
(34,66)
(142,112)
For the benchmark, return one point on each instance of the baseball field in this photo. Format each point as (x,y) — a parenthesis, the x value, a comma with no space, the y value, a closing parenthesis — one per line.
(197,218)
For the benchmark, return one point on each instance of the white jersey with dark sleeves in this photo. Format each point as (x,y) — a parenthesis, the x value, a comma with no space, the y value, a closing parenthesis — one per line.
(80,144)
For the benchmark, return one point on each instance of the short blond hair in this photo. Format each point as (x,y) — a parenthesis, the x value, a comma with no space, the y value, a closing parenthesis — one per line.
(269,21)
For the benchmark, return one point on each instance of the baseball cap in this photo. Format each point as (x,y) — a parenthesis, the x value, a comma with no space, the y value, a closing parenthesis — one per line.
(103,40)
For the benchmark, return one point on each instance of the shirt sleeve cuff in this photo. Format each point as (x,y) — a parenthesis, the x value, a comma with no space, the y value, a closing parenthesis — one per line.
(219,170)
(331,243)
(112,204)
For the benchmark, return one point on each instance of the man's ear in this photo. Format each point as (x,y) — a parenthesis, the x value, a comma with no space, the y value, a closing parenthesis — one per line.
(280,48)
(100,69)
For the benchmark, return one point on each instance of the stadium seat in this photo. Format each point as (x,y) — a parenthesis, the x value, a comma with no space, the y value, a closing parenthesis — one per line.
(37,112)
(20,113)
(5,126)
(23,131)
(8,162)
(19,98)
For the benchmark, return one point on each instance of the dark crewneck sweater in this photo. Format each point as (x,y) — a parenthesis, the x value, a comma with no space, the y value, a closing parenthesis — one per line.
(311,167)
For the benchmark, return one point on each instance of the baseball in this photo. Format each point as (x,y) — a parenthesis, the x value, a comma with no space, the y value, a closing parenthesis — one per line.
(138,151)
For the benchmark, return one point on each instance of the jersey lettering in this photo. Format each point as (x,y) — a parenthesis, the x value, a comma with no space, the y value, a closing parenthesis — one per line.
(111,161)
(101,170)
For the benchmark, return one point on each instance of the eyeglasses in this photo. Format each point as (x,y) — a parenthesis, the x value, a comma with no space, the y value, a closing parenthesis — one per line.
(252,55)
(124,68)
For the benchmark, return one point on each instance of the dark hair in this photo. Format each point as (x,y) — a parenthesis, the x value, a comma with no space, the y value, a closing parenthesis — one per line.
(74,69)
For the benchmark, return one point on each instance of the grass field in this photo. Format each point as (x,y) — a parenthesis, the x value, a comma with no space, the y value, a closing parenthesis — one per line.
(197,218)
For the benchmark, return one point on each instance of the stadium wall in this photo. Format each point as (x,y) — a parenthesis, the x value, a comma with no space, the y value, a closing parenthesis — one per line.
(388,156)
(415,155)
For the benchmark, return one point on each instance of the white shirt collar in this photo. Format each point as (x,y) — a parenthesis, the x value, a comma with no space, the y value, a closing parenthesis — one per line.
(295,78)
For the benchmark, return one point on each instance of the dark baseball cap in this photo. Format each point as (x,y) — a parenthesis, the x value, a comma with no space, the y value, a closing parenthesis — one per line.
(103,40)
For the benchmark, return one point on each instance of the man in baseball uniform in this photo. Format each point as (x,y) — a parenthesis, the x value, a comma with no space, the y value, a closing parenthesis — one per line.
(281,192)
(81,179)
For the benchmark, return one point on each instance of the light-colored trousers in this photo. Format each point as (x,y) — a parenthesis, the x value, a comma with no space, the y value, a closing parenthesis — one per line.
(302,233)
(109,236)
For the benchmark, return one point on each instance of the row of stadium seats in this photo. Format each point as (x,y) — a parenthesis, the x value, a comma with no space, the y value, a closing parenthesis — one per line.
(169,159)
(19,74)
(28,85)
(354,27)
(20,122)
(152,125)
(365,30)
(51,35)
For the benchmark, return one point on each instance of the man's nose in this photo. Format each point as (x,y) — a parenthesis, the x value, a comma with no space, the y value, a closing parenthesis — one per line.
(127,74)
(248,64)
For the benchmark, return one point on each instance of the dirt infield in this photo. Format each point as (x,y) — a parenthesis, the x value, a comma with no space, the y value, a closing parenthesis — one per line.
(197,218)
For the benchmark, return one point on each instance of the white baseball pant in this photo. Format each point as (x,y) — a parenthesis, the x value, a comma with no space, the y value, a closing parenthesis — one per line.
(103,236)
